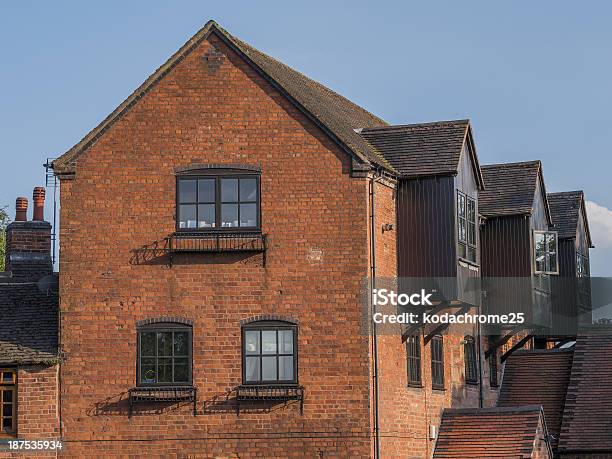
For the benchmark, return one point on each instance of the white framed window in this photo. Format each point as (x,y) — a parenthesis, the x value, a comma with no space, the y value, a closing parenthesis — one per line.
(582,265)
(466,227)
(546,252)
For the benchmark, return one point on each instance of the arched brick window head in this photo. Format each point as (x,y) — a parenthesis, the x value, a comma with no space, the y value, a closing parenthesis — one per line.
(164,352)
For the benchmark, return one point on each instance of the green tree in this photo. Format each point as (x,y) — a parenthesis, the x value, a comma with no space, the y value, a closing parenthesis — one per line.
(4,221)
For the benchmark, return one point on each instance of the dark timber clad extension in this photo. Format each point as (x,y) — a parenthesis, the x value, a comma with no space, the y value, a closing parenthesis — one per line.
(569,217)
(434,160)
(514,203)
(572,294)
(426,228)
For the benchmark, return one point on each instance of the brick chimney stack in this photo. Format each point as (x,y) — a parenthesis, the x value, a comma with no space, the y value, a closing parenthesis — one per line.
(28,243)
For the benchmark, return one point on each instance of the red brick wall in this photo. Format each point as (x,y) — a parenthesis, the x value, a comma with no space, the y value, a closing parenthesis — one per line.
(406,412)
(37,408)
(315,215)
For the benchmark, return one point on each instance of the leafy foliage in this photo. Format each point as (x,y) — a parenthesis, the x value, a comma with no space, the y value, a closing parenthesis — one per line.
(4,221)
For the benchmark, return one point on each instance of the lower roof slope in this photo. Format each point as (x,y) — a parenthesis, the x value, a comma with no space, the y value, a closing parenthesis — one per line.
(587,418)
(509,188)
(29,322)
(538,377)
(488,433)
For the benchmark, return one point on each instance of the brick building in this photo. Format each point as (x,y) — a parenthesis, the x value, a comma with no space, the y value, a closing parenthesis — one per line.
(29,370)
(217,230)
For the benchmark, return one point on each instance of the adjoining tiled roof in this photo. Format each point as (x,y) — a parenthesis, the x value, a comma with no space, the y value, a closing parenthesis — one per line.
(334,113)
(29,322)
(587,418)
(509,188)
(417,150)
(538,377)
(565,209)
(488,433)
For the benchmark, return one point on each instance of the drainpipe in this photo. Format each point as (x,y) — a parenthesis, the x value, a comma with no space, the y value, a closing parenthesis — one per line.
(374,331)
(479,337)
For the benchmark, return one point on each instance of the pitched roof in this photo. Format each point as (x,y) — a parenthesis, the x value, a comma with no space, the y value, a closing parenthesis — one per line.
(29,331)
(488,432)
(426,149)
(538,377)
(509,188)
(335,114)
(565,209)
(587,418)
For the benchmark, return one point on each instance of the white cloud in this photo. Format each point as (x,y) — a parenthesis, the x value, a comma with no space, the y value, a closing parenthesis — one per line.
(600,224)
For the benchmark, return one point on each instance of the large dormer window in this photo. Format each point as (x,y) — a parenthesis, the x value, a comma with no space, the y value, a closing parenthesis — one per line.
(545,252)
(466,227)
(221,201)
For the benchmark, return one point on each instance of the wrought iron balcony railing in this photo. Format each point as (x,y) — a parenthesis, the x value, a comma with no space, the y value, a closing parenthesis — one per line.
(269,393)
(217,242)
(169,394)
(201,242)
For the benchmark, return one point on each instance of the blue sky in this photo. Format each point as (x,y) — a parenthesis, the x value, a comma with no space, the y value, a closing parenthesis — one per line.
(534,77)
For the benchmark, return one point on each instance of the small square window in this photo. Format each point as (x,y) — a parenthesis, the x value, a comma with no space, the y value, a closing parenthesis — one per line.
(164,354)
(269,353)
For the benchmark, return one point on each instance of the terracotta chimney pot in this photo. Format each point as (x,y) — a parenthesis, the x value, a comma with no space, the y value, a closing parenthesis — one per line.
(39,204)
(21,209)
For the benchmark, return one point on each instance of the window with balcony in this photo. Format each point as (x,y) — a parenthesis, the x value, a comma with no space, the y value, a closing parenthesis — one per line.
(466,227)
(226,202)
(469,356)
(437,362)
(545,252)
(413,354)
(164,355)
(269,353)
(8,402)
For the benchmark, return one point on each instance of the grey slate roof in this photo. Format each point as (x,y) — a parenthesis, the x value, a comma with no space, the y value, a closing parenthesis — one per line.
(509,188)
(28,322)
(418,150)
(587,417)
(338,116)
(538,377)
(565,208)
